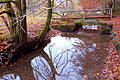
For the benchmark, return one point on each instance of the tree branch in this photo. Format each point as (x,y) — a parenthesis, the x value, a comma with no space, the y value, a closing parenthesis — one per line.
(7,12)
(1,2)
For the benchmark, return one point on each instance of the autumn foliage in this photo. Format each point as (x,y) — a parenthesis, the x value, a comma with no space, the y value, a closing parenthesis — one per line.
(92,4)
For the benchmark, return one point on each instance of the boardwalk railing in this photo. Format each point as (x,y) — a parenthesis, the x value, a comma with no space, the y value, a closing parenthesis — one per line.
(107,11)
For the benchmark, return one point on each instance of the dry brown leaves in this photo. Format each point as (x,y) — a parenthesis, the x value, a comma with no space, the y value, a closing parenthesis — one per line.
(3,44)
(111,70)
(112,62)
(34,27)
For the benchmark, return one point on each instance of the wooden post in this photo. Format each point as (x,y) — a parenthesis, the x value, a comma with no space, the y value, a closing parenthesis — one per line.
(84,17)
(111,13)
(112,7)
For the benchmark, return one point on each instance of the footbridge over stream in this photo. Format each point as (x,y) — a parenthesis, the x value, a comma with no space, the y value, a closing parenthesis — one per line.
(87,14)
(89,9)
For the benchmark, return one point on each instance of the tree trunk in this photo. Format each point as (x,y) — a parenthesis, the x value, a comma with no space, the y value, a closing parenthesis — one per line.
(48,20)
(12,19)
(22,24)
(23,33)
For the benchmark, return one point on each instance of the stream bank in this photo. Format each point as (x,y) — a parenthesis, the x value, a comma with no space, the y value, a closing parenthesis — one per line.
(88,57)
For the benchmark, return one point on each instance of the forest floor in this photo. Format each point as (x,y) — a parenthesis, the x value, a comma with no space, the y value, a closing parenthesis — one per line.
(112,62)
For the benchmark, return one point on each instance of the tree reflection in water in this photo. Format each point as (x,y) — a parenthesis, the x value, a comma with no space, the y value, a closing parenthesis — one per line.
(10,77)
(61,52)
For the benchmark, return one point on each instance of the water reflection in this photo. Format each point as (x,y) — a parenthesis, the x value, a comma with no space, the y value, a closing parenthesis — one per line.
(94,27)
(41,69)
(62,53)
(10,77)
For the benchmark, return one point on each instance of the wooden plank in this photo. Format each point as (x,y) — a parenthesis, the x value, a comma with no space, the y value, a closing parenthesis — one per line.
(86,17)
(87,10)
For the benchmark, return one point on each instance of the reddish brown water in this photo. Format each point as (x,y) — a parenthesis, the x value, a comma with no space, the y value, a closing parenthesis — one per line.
(68,57)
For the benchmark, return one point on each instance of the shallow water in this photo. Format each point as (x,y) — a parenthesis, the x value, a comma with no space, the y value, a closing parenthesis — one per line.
(10,77)
(69,56)
(62,51)
(92,27)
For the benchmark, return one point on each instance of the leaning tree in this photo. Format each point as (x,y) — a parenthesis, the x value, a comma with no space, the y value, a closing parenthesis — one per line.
(16,19)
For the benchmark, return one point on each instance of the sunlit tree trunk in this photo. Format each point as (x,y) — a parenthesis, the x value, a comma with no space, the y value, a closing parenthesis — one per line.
(11,23)
(11,18)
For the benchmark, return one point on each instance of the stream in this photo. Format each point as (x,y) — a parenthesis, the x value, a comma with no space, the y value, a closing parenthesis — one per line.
(69,56)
